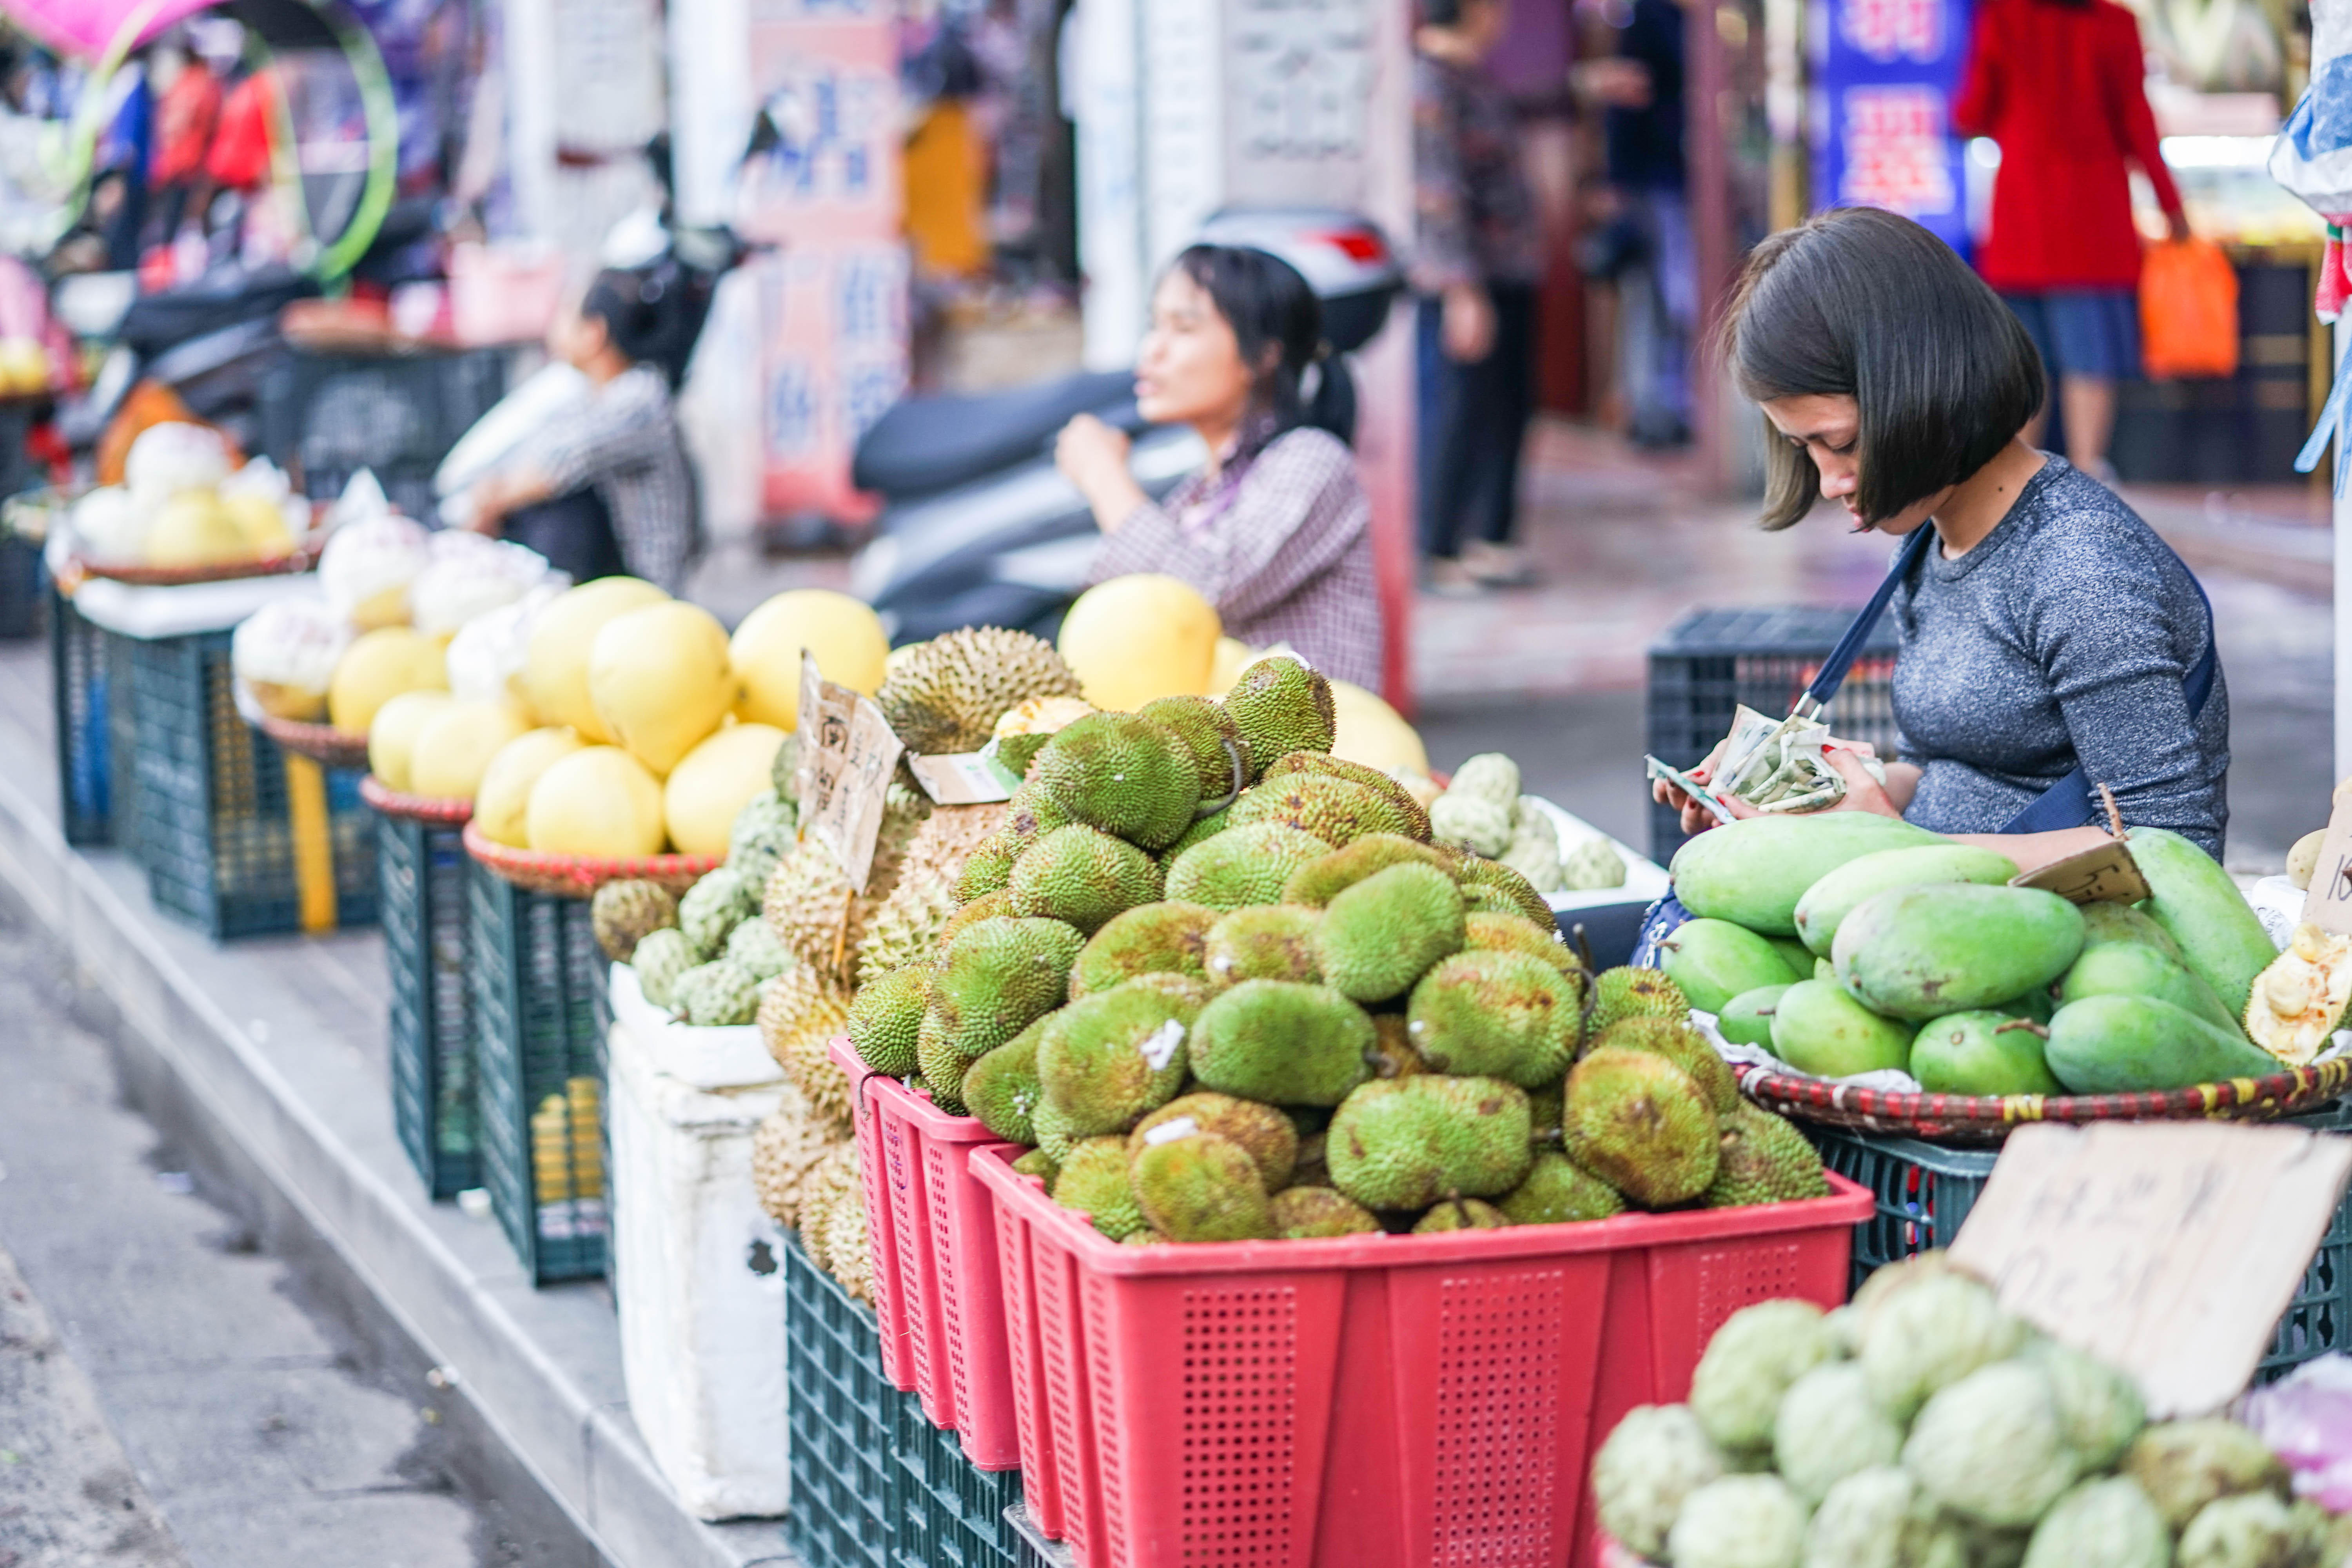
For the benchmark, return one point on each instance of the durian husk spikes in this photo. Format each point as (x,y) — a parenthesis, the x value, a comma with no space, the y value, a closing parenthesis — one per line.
(786,1147)
(800,1013)
(2297,1003)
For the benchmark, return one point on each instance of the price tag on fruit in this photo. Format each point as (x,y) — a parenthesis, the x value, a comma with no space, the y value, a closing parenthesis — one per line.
(2328,904)
(848,754)
(964,778)
(2168,1248)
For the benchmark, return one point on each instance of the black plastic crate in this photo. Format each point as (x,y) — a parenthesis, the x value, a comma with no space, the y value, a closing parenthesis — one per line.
(327,415)
(540,1011)
(87,665)
(842,1414)
(230,829)
(421,868)
(1925,1192)
(946,1513)
(1712,662)
(20,586)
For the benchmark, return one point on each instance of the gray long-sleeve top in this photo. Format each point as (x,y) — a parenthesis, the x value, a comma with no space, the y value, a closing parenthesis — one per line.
(2064,636)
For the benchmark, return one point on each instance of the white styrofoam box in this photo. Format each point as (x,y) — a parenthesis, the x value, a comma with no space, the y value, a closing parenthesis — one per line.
(2278,904)
(148,612)
(729,1057)
(698,1271)
(1645,880)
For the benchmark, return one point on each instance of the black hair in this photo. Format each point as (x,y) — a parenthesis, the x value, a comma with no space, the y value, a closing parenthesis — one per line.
(1860,303)
(1270,307)
(636,307)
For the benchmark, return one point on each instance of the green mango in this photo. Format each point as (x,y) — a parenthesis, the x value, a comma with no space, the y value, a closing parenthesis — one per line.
(1747,1018)
(1753,871)
(1824,970)
(2111,1045)
(1798,957)
(1831,900)
(2122,922)
(1988,1051)
(1921,952)
(1817,1028)
(2201,909)
(1713,961)
(2137,969)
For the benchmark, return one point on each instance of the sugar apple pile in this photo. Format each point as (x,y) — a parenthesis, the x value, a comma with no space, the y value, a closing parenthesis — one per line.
(1482,812)
(1923,1427)
(1226,985)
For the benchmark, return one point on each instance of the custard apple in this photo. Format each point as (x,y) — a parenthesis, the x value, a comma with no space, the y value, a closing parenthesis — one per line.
(622,912)
(1490,776)
(1750,1364)
(1878,1517)
(762,816)
(1594,863)
(1658,1456)
(1739,1522)
(662,956)
(1472,820)
(713,995)
(1828,1429)
(714,907)
(1989,1447)
(2184,1465)
(1929,1335)
(1533,853)
(2099,1407)
(754,945)
(2105,1524)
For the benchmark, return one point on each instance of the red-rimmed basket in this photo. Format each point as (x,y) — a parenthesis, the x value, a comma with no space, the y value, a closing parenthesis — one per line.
(1987,1118)
(441,811)
(303,558)
(322,743)
(579,876)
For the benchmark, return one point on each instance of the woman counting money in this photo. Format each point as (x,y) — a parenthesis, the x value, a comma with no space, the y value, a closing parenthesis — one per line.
(2051,642)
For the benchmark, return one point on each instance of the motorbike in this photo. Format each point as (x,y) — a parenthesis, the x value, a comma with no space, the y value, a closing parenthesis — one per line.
(979,529)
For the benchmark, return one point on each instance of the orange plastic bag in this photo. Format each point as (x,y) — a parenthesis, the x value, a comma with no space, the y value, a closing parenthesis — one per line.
(2187,310)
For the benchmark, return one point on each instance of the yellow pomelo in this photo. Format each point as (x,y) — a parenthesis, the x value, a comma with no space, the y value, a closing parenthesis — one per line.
(502,804)
(555,666)
(392,734)
(1138,638)
(713,781)
(598,801)
(1375,734)
(261,522)
(454,748)
(845,635)
(378,668)
(1233,657)
(192,529)
(660,680)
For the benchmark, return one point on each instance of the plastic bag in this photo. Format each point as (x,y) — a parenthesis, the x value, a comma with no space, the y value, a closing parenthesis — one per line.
(2187,310)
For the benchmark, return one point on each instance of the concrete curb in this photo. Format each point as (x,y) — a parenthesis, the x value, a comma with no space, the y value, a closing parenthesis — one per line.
(542,1367)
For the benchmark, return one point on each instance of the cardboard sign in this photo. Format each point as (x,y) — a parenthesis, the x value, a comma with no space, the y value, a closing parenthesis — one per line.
(2105,875)
(2167,1248)
(2328,904)
(848,756)
(964,778)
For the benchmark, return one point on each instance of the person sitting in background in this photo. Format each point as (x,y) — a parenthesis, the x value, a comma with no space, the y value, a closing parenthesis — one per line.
(607,489)
(1275,529)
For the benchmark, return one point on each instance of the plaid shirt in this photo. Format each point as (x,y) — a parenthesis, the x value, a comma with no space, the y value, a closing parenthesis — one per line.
(1475,218)
(1280,543)
(624,441)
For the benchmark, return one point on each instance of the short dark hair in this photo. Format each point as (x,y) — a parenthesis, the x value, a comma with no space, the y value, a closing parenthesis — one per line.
(1860,303)
(634,305)
(1268,305)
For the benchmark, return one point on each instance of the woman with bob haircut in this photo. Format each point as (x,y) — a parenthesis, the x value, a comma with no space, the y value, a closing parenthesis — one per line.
(1275,529)
(2050,640)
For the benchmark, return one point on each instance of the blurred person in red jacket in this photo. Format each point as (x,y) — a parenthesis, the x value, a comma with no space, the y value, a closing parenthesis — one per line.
(2057,83)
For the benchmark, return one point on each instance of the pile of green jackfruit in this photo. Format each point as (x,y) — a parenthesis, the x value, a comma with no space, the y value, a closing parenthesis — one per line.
(1921,1426)
(1225,987)
(1846,943)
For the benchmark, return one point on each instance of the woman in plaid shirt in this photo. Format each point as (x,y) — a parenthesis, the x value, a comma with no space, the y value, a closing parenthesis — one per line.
(1275,531)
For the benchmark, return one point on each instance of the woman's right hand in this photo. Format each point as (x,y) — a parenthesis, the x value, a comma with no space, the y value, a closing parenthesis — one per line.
(1467,325)
(1696,817)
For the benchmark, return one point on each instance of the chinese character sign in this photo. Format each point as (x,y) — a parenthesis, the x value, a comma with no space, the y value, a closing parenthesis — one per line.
(1885,72)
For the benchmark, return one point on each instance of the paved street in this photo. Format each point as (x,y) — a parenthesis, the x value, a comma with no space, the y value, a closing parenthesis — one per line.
(177,1386)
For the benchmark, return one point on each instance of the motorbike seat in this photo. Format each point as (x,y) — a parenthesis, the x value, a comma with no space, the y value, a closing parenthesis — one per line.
(923,445)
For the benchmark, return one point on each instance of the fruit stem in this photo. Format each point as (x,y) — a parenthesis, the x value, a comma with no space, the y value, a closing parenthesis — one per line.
(2028,1025)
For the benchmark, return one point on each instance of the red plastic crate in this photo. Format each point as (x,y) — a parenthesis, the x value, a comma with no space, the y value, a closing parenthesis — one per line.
(933,1230)
(889,1296)
(1385,1401)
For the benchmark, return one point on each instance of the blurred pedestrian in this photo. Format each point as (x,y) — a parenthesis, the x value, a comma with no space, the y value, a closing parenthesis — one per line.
(1275,529)
(2058,84)
(1648,247)
(1476,260)
(187,109)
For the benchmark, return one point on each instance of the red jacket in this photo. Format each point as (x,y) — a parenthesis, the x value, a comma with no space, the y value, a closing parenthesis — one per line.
(2058,86)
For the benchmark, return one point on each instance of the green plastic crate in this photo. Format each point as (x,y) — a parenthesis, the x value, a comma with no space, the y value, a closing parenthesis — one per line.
(421,868)
(841,1413)
(1030,1547)
(946,1513)
(540,1013)
(1925,1192)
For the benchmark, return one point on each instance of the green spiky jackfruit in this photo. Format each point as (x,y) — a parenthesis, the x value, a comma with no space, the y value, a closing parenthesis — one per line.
(1281,1042)
(1638,1122)
(1462,1214)
(1003,1089)
(1242,866)
(1107,1059)
(1199,1187)
(990,867)
(1320,880)
(1392,1054)
(1486,930)
(1167,938)
(998,977)
(1030,814)
(1323,763)
(1082,877)
(1557,1191)
(1405,1142)
(995,906)
(1282,704)
(1763,1160)
(1491,885)
(1264,942)
(1686,1048)
(1208,826)
(1300,1214)
(1628,992)
(887,1019)
(1379,936)
(1497,1014)
(1038,1163)
(1123,774)
(1054,1137)
(1092,1179)
(1264,1132)
(1220,751)
(1337,811)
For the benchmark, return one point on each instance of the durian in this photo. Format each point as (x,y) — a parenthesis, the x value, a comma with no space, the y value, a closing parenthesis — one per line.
(799,1013)
(786,1146)
(945,696)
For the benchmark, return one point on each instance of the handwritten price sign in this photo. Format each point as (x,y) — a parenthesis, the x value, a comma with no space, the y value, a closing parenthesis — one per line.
(848,756)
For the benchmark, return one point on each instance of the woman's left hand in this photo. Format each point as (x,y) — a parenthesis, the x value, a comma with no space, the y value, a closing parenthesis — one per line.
(1091,454)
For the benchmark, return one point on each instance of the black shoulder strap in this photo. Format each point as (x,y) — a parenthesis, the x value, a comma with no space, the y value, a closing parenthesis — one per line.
(1834,669)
